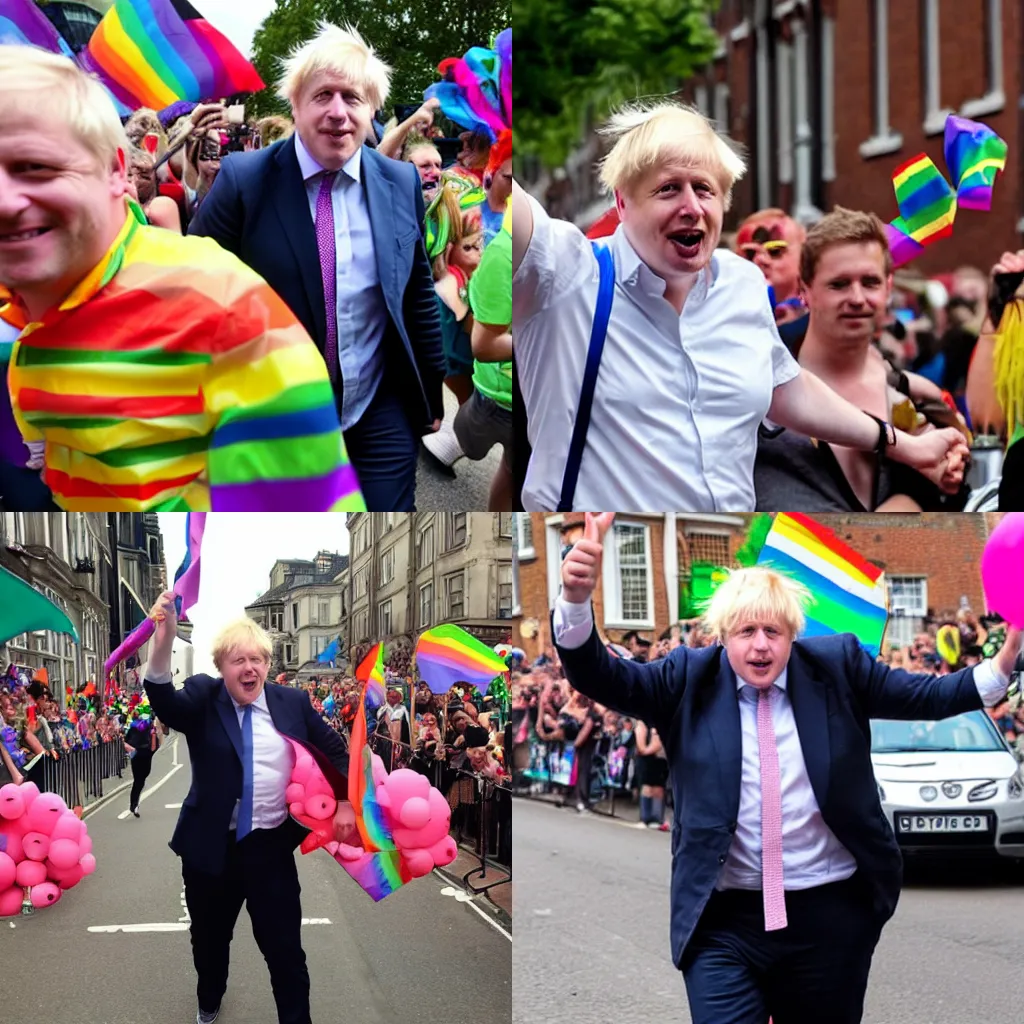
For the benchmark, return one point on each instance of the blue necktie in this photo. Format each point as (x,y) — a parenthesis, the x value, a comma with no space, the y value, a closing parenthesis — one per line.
(244,826)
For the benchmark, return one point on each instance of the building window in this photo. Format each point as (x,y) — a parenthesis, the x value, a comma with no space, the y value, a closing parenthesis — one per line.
(454,595)
(387,566)
(505,591)
(707,547)
(995,98)
(295,615)
(289,653)
(627,579)
(505,524)
(385,618)
(324,616)
(389,521)
(425,547)
(275,620)
(524,535)
(426,605)
(934,113)
(721,111)
(828,99)
(784,110)
(344,602)
(90,669)
(908,607)
(454,530)
(884,140)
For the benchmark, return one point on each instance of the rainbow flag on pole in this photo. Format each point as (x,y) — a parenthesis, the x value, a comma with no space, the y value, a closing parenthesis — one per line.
(152,53)
(848,592)
(447,654)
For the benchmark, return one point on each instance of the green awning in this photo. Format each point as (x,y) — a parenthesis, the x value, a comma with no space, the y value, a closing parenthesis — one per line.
(23,609)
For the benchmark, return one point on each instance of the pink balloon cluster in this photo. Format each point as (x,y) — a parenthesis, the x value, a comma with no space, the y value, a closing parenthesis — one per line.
(44,848)
(416,813)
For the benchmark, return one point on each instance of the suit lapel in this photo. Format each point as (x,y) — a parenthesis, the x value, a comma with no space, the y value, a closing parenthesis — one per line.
(287,193)
(229,718)
(723,720)
(808,696)
(380,203)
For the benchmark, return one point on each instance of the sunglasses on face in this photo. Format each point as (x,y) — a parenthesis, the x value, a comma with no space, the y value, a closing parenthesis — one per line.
(774,249)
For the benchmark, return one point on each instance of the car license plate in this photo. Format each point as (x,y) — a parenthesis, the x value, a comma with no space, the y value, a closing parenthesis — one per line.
(942,823)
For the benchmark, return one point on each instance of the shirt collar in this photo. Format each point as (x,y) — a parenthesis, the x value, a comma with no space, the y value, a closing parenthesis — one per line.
(634,272)
(93,282)
(260,702)
(310,168)
(780,682)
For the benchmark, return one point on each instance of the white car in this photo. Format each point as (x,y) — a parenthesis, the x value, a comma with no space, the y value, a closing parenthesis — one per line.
(950,787)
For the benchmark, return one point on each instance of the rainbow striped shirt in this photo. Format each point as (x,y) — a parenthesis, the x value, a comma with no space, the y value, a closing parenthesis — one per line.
(174,378)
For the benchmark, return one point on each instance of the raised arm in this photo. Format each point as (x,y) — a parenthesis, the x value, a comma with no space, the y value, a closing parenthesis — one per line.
(522,225)
(179,709)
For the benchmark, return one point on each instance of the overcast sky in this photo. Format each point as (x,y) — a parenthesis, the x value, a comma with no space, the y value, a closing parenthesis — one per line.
(239,550)
(238,20)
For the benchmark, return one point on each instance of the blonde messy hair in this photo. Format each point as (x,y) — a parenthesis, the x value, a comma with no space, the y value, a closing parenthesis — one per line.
(757,594)
(647,135)
(241,633)
(344,52)
(48,87)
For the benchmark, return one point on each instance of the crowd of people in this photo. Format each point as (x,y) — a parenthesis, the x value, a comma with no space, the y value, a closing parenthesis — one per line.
(387,291)
(566,743)
(812,376)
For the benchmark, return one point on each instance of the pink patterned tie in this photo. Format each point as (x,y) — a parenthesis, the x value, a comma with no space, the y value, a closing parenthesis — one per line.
(771,815)
(328,269)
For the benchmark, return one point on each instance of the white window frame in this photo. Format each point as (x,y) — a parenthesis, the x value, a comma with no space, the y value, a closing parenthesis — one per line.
(906,616)
(447,594)
(828,99)
(612,580)
(784,111)
(385,605)
(994,99)
(700,98)
(426,621)
(935,114)
(387,566)
(321,619)
(884,140)
(502,566)
(422,563)
(721,106)
(522,523)
(552,536)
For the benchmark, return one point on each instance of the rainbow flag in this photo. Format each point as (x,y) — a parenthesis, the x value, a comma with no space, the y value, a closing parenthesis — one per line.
(371,672)
(152,53)
(134,384)
(975,156)
(848,592)
(447,654)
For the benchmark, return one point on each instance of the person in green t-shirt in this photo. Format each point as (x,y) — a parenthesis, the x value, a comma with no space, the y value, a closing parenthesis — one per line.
(486,419)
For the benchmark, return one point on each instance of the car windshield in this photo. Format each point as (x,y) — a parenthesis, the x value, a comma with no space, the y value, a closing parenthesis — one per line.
(968,732)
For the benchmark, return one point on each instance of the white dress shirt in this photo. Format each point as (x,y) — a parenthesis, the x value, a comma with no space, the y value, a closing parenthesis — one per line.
(811,854)
(272,763)
(678,398)
(362,311)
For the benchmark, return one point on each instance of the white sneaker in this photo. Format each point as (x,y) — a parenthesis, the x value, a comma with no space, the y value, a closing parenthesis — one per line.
(202,1017)
(653,824)
(640,824)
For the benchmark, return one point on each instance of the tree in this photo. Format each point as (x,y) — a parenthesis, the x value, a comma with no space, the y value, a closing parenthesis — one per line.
(412,36)
(577,60)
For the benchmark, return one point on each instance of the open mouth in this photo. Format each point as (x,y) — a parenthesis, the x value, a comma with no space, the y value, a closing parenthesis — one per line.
(24,236)
(338,134)
(687,243)
(250,684)
(760,664)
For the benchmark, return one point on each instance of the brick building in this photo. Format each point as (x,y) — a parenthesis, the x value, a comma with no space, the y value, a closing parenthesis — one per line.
(830,96)
(931,563)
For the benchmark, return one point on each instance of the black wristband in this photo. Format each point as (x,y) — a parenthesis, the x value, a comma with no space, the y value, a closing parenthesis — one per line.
(885,438)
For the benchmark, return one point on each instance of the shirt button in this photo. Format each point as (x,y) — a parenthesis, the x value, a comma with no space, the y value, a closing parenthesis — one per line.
(721,860)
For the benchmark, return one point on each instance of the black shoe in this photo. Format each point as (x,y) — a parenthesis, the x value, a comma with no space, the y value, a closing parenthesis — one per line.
(207,1017)
(135,811)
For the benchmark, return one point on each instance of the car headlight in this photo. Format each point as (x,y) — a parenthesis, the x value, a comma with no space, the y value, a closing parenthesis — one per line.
(983,791)
(1016,786)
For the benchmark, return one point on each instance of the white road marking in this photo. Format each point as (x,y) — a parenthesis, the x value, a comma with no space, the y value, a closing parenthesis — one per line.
(156,785)
(171,926)
(468,899)
(173,807)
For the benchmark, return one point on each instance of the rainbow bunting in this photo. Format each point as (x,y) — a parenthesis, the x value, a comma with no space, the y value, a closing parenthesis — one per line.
(847,592)
(447,654)
(975,156)
(152,53)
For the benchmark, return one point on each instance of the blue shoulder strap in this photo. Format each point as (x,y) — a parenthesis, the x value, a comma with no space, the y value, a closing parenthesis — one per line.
(602,314)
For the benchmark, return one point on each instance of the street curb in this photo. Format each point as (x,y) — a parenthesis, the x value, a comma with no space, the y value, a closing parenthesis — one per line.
(503,918)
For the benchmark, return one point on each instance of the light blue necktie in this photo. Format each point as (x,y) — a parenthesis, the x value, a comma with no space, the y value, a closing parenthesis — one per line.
(244,826)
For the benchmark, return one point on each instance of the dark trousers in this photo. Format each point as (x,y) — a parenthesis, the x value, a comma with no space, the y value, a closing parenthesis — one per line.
(142,765)
(22,490)
(814,971)
(383,448)
(260,872)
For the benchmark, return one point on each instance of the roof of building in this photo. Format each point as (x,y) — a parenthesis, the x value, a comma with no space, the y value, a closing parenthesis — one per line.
(279,594)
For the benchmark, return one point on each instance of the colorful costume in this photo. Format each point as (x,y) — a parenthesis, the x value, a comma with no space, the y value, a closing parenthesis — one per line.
(174,378)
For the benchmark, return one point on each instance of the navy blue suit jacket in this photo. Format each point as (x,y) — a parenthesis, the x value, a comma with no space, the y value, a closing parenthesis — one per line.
(835,687)
(203,711)
(258,209)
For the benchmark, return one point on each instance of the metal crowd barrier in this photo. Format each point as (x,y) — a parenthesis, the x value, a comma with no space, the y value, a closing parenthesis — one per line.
(77,775)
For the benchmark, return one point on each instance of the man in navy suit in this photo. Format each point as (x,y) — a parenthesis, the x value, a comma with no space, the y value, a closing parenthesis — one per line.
(784,867)
(234,834)
(337,231)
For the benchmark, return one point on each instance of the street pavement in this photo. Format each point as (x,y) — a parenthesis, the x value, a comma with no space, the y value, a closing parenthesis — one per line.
(592,932)
(437,491)
(421,955)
